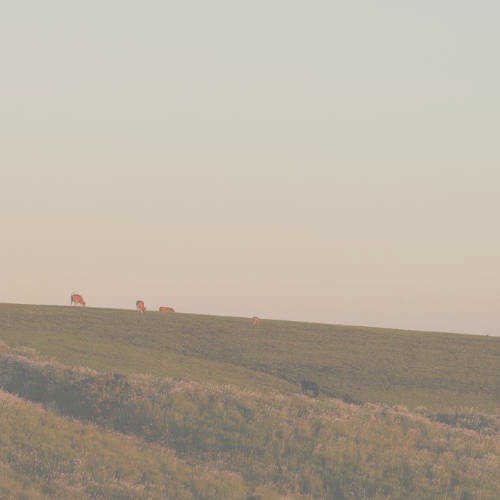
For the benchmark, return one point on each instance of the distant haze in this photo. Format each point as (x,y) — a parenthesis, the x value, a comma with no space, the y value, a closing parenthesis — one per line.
(319,161)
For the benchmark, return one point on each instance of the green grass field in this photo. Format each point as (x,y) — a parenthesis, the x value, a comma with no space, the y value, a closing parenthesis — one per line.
(436,370)
(400,414)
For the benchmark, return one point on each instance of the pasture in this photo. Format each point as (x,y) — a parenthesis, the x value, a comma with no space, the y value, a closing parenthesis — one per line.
(101,403)
(435,370)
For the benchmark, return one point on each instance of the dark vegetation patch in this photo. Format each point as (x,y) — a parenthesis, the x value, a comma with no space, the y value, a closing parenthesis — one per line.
(466,419)
(309,387)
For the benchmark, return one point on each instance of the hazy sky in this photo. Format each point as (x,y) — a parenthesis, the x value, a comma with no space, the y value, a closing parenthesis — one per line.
(332,161)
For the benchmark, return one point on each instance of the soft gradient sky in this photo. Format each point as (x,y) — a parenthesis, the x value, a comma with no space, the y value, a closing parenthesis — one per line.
(333,161)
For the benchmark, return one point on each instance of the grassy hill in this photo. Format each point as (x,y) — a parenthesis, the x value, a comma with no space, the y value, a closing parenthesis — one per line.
(436,370)
(211,407)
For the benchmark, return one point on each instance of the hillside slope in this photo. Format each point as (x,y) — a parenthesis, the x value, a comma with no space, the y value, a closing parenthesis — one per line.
(195,440)
(436,370)
(43,455)
(98,403)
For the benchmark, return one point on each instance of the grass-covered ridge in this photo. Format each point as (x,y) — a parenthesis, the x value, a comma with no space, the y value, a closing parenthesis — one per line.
(435,370)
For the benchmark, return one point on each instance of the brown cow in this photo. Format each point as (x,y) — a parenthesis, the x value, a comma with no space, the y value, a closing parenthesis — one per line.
(166,309)
(141,308)
(255,320)
(76,299)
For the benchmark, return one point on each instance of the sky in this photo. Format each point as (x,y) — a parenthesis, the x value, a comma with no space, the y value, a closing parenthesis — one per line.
(329,161)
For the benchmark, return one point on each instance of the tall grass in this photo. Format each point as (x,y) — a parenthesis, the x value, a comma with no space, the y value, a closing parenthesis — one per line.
(46,455)
(289,443)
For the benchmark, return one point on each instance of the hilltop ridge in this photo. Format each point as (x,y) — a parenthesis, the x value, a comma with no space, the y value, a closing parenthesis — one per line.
(363,363)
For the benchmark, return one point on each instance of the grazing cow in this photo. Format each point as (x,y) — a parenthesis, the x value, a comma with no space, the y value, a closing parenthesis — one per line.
(141,308)
(309,386)
(255,320)
(76,299)
(166,309)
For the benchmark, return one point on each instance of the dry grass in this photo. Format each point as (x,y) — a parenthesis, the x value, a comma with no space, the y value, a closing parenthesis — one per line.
(46,455)
(287,443)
